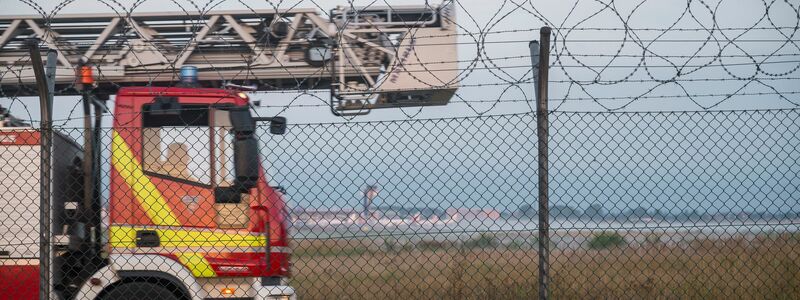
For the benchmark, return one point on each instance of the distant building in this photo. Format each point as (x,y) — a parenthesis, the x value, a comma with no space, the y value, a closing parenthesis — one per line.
(390,215)
(472,214)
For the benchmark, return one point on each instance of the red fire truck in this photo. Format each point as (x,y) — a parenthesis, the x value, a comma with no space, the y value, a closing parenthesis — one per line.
(190,214)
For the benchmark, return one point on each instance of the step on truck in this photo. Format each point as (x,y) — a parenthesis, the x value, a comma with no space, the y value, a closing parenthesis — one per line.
(188,212)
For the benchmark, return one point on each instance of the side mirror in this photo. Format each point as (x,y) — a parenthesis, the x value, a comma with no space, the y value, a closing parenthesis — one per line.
(245,158)
(277,125)
(241,120)
(245,149)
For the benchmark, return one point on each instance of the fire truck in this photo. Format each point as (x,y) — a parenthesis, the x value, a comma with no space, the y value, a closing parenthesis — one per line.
(189,216)
(189,213)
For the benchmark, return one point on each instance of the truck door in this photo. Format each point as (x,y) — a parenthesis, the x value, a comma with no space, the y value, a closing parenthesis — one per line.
(188,156)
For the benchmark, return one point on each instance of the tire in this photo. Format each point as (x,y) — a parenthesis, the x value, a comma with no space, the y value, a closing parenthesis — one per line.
(139,291)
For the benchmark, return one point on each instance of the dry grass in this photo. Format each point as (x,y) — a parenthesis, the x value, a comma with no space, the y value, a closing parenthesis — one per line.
(764,268)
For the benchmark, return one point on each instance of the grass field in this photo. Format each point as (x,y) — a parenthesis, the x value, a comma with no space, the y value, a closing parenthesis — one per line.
(764,267)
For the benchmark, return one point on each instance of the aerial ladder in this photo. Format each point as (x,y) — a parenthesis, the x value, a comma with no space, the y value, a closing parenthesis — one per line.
(369,58)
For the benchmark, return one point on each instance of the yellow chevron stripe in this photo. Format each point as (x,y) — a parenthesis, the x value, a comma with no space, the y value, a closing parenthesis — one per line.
(197,263)
(147,194)
(156,208)
(125,237)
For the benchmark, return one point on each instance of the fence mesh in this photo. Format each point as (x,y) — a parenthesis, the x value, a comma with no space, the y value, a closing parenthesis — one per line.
(188,200)
(675,205)
(643,205)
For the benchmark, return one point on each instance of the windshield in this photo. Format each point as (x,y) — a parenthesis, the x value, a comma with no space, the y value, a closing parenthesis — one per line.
(180,152)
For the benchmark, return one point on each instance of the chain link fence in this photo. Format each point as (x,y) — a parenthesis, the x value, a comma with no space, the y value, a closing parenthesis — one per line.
(186,199)
(643,205)
(675,205)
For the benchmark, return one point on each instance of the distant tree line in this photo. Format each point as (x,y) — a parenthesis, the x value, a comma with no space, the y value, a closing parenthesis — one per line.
(597,212)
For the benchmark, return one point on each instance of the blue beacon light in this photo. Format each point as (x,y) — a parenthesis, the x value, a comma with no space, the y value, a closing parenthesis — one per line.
(189,75)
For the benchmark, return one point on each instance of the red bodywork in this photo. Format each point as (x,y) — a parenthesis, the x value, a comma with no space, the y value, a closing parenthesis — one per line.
(19,278)
(19,282)
(267,208)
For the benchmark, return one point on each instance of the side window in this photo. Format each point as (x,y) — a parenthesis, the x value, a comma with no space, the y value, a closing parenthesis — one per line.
(178,151)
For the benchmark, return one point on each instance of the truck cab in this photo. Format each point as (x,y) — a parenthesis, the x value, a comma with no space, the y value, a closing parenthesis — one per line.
(190,214)
(189,202)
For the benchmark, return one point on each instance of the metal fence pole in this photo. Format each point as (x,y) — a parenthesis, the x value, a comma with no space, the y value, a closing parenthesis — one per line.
(50,73)
(541,64)
(44,169)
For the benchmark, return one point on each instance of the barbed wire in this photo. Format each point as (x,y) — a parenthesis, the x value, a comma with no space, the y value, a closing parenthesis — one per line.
(596,49)
(605,57)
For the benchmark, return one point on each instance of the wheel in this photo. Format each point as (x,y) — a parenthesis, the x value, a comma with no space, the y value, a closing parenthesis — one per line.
(139,291)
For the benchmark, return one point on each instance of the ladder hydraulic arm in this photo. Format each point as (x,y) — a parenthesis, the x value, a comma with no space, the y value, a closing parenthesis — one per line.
(369,58)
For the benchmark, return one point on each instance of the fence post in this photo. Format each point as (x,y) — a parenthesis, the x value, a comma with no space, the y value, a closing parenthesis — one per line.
(540,53)
(45,131)
(50,73)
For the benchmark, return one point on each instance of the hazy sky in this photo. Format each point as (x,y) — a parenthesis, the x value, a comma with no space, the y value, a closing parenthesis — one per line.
(327,180)
(477,17)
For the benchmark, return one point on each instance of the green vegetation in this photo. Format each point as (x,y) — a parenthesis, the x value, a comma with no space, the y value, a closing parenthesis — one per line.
(529,243)
(390,244)
(606,240)
(322,252)
(485,240)
(429,245)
